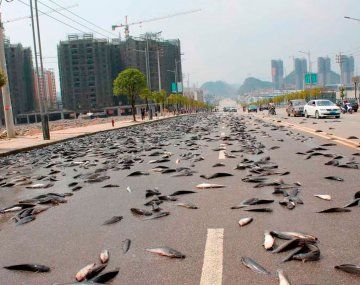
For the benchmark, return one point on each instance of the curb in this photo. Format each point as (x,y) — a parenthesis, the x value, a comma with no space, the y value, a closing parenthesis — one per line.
(45,144)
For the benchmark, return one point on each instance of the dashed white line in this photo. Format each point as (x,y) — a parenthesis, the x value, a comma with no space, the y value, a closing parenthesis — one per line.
(212,269)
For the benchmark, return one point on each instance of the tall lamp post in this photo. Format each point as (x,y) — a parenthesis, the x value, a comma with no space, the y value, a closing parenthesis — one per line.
(310,64)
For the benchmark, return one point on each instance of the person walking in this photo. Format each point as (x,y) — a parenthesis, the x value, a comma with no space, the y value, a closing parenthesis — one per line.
(142,114)
(113,122)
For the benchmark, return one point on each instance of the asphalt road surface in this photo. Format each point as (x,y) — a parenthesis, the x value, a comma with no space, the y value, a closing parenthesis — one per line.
(70,235)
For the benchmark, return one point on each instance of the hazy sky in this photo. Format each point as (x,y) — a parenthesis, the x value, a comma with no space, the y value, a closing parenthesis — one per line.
(228,40)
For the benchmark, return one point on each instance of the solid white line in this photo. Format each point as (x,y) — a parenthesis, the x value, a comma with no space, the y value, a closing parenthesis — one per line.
(212,270)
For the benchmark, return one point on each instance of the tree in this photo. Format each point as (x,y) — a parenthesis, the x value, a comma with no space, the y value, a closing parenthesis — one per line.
(3,79)
(130,82)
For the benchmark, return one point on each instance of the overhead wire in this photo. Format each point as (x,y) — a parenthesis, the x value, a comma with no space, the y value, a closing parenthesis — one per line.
(62,22)
(69,18)
(82,18)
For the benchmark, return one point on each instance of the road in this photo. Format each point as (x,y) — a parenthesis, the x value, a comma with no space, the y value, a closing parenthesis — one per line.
(71,235)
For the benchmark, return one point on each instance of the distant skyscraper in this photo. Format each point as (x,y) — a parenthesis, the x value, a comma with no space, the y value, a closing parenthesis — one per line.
(50,88)
(347,69)
(277,73)
(300,65)
(20,75)
(324,71)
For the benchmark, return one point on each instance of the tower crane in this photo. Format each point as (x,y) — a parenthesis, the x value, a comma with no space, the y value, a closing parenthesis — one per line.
(127,25)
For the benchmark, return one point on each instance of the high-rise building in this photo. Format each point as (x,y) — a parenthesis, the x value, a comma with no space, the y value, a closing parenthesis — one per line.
(85,73)
(163,54)
(49,89)
(277,73)
(324,71)
(88,67)
(20,78)
(300,66)
(347,69)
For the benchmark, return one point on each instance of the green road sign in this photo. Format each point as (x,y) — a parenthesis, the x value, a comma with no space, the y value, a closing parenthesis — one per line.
(174,88)
(311,78)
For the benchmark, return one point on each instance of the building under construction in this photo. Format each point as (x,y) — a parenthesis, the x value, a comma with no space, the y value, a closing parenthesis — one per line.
(21,81)
(88,67)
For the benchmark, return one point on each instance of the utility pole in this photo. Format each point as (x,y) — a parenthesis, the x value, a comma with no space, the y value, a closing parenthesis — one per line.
(159,69)
(340,60)
(40,72)
(8,113)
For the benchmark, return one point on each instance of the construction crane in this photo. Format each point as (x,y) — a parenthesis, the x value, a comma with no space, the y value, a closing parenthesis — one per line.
(127,25)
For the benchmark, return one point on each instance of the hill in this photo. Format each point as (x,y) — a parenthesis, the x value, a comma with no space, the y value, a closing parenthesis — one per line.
(252,84)
(220,89)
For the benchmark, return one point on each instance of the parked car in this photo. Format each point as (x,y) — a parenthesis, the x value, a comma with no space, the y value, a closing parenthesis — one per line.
(296,107)
(354,104)
(232,109)
(252,108)
(321,108)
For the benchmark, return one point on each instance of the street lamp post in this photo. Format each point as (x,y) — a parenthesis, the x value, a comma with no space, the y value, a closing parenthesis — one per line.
(310,64)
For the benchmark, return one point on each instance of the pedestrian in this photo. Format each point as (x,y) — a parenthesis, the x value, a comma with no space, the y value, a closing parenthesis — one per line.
(113,122)
(142,114)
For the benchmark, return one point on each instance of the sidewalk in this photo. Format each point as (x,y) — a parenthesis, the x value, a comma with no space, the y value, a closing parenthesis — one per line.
(25,143)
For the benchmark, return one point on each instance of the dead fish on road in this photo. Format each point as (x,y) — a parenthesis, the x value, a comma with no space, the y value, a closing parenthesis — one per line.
(150,193)
(283,279)
(216,175)
(166,251)
(245,221)
(84,272)
(355,202)
(104,256)
(126,245)
(17,207)
(323,197)
(269,240)
(157,216)
(313,254)
(138,173)
(182,192)
(25,220)
(263,210)
(29,267)
(113,220)
(335,210)
(335,178)
(209,186)
(254,266)
(187,205)
(252,202)
(349,268)
(294,235)
(40,186)
(111,186)
(104,278)
(140,212)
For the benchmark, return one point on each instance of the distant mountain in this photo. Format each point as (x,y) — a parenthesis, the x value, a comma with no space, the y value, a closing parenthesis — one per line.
(252,84)
(220,89)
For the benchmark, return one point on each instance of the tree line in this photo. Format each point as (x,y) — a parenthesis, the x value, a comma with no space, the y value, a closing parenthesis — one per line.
(132,83)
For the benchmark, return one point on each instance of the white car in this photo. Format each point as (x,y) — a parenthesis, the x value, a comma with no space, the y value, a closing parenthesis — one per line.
(321,108)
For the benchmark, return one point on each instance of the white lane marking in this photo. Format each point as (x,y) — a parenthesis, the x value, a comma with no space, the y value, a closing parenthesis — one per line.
(212,270)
